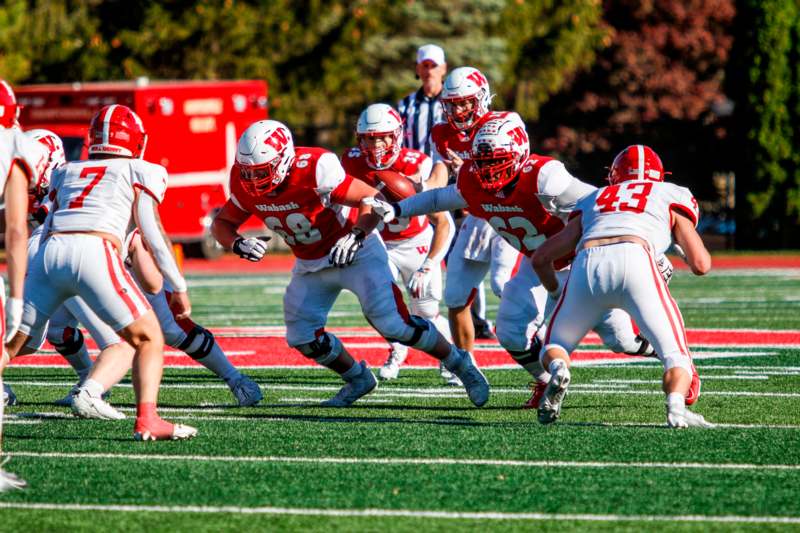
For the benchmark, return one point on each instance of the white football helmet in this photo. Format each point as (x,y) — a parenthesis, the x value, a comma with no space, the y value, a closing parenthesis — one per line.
(265,154)
(380,120)
(465,84)
(57,157)
(499,149)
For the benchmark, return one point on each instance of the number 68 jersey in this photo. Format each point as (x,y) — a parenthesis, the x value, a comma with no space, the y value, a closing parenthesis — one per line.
(641,208)
(304,209)
(98,194)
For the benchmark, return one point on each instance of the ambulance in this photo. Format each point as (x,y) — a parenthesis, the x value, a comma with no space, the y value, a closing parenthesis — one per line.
(192,129)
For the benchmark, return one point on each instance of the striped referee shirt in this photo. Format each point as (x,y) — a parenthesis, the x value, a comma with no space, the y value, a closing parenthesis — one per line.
(419,114)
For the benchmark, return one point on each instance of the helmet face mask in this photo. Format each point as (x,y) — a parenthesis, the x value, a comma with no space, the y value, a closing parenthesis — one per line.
(636,162)
(117,131)
(498,151)
(264,155)
(380,135)
(466,97)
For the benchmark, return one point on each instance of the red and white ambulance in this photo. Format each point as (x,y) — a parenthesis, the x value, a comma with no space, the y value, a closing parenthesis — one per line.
(192,126)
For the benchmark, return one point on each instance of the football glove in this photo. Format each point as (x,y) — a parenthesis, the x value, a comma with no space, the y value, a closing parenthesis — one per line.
(665,268)
(388,211)
(344,251)
(252,248)
(13,317)
(419,286)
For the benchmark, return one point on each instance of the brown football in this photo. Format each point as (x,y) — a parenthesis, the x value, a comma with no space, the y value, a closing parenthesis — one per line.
(392,184)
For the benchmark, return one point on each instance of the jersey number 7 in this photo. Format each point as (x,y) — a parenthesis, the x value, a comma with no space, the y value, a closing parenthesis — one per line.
(98,173)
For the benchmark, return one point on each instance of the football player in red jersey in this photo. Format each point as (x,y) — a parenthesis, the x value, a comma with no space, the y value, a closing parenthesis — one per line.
(304,195)
(415,249)
(525,198)
(478,249)
(618,231)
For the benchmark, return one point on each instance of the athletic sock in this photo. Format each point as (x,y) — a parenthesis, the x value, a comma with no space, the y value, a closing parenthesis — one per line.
(676,402)
(218,363)
(94,388)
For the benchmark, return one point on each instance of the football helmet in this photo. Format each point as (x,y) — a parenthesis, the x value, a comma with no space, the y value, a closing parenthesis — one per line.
(380,120)
(499,149)
(9,109)
(57,157)
(116,130)
(265,154)
(636,162)
(462,86)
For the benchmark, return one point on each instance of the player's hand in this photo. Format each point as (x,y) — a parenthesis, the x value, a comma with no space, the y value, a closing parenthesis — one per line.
(665,267)
(454,162)
(386,210)
(420,283)
(555,294)
(252,248)
(13,317)
(344,251)
(180,305)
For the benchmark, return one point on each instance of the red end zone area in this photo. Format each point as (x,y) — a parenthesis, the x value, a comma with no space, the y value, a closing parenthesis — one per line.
(266,348)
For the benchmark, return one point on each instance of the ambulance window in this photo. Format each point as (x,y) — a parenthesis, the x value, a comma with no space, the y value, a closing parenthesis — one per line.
(73,147)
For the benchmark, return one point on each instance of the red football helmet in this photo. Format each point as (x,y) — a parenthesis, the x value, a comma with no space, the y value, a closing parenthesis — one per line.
(117,130)
(9,110)
(636,162)
(498,151)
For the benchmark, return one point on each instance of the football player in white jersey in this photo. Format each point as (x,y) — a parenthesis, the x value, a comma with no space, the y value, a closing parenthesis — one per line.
(618,231)
(94,202)
(22,161)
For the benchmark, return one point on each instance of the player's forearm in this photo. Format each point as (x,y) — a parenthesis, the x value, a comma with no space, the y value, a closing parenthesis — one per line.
(554,248)
(438,177)
(432,201)
(367,220)
(158,243)
(442,236)
(697,256)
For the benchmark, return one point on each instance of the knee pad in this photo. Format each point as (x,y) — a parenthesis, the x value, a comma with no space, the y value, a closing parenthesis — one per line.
(68,341)
(677,359)
(417,333)
(198,343)
(324,349)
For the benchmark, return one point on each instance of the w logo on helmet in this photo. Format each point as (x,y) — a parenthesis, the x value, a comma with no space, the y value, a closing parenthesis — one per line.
(518,135)
(277,140)
(477,78)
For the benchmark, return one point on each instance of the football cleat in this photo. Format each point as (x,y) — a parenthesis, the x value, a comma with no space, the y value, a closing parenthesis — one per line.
(686,419)
(9,481)
(450,379)
(66,401)
(553,397)
(537,393)
(694,388)
(9,398)
(162,430)
(391,368)
(246,391)
(473,379)
(355,388)
(84,405)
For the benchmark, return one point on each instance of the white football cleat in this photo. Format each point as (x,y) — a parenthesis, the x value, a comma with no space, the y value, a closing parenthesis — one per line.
(356,387)
(179,432)
(246,391)
(450,379)
(66,401)
(9,398)
(9,481)
(473,379)
(391,368)
(84,405)
(686,419)
(550,405)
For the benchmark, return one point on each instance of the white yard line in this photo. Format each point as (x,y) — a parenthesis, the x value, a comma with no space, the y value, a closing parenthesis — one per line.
(407,461)
(402,513)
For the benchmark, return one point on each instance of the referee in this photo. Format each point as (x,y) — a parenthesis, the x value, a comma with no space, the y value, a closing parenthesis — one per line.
(422,109)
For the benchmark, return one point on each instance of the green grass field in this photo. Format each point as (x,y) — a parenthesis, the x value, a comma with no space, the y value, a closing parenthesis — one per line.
(416,456)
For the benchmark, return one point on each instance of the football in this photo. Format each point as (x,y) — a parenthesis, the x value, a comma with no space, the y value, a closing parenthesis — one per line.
(393,185)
